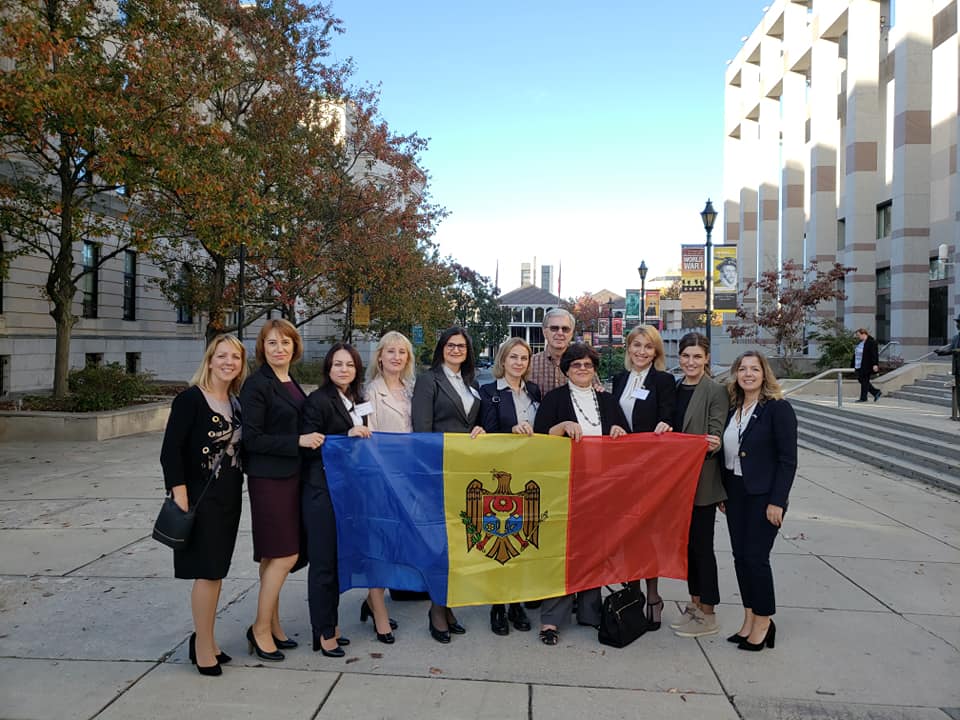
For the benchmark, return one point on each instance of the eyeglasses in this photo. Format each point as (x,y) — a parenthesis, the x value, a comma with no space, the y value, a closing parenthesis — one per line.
(585,365)
(456,347)
(559,328)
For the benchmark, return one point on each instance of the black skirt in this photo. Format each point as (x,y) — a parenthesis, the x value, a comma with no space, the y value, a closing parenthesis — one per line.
(214,534)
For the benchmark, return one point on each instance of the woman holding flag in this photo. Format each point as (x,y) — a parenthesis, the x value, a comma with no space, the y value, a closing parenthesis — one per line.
(446,399)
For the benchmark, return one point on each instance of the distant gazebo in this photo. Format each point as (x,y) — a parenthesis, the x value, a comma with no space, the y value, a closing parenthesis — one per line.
(527,306)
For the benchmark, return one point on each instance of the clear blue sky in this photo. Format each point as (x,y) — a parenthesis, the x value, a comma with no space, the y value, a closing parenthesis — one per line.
(584,134)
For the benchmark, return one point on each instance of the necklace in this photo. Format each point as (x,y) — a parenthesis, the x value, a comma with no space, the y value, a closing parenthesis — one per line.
(741,412)
(596,406)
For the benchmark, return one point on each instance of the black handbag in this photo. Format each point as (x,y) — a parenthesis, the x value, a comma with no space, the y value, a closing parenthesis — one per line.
(173,525)
(623,617)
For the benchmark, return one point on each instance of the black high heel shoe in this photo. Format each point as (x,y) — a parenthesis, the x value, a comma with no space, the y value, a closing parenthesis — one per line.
(222,657)
(209,670)
(441,636)
(737,638)
(366,612)
(769,640)
(654,610)
(337,652)
(275,656)
(455,627)
(287,644)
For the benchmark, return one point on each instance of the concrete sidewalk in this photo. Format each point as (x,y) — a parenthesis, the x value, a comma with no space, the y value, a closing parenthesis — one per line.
(92,624)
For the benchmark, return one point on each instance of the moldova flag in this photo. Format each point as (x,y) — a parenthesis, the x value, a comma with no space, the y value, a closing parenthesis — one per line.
(505,518)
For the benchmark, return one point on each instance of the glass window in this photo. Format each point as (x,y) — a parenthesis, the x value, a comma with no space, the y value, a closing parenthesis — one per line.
(89,282)
(883,279)
(938,270)
(129,285)
(528,315)
(133,363)
(841,233)
(184,311)
(93,359)
(937,316)
(884,218)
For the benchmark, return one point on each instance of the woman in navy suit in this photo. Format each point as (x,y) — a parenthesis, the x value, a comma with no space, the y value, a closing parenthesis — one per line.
(446,399)
(509,405)
(760,461)
(336,408)
(646,394)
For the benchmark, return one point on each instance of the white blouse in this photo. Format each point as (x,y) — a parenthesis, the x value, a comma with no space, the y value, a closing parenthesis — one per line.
(731,438)
(587,408)
(466,397)
(627,399)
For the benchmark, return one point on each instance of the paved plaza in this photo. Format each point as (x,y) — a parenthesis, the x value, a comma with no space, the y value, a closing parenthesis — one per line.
(92,624)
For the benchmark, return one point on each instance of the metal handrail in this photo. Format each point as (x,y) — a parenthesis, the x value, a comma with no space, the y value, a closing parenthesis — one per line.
(839,372)
(887,347)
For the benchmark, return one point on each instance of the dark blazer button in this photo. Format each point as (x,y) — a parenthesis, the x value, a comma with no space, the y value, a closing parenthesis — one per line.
(742,454)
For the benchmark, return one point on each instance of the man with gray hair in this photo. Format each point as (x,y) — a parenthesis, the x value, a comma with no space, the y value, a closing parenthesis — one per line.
(558,326)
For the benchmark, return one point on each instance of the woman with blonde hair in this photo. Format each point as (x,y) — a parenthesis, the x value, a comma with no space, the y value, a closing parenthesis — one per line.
(509,405)
(272,402)
(389,391)
(760,461)
(200,459)
(646,393)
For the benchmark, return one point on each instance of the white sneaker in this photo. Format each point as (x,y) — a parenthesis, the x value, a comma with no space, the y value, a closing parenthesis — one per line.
(689,612)
(700,624)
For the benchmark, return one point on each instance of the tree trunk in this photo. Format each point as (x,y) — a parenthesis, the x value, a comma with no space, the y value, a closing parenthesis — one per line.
(65,321)
(348,319)
(60,290)
(215,319)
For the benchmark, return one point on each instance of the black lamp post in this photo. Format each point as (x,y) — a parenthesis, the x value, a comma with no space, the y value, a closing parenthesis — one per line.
(609,335)
(709,216)
(643,291)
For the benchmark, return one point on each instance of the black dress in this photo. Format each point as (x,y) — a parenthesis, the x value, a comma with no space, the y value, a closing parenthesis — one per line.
(195,436)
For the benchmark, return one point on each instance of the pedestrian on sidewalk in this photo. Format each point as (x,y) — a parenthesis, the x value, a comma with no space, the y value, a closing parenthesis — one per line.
(866,361)
(760,461)
(200,459)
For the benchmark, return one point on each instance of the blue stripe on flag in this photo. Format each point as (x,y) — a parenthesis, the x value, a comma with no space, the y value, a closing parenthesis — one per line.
(387,493)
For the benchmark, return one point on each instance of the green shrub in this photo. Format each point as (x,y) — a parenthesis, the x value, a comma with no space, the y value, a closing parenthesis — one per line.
(108,387)
(836,345)
(308,372)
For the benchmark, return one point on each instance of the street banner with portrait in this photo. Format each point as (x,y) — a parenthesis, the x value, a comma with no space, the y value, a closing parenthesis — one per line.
(693,294)
(725,278)
(632,306)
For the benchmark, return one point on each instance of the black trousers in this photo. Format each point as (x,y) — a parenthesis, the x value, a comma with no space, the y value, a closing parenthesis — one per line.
(701,561)
(323,584)
(863,375)
(751,536)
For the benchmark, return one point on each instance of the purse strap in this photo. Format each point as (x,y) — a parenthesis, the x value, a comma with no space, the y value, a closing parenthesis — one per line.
(213,476)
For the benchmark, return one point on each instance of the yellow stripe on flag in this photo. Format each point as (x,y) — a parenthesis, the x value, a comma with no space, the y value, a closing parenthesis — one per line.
(506,504)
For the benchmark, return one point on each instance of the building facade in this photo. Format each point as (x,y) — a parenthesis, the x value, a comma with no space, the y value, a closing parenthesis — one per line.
(841,130)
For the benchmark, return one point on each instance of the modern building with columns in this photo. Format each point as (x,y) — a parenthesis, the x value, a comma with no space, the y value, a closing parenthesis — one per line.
(841,130)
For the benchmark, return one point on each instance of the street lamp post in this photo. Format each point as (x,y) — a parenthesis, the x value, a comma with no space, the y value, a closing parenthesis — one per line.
(643,291)
(609,335)
(709,216)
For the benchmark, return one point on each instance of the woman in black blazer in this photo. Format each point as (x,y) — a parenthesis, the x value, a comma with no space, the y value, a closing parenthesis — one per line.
(509,405)
(866,361)
(646,394)
(576,410)
(446,399)
(203,429)
(272,441)
(760,461)
(336,408)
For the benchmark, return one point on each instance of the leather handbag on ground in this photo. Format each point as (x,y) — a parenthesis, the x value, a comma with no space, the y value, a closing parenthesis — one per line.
(623,617)
(173,525)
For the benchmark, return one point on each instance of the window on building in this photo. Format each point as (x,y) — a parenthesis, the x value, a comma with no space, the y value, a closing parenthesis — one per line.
(2,273)
(129,285)
(841,233)
(93,359)
(528,315)
(538,315)
(133,363)
(516,315)
(937,315)
(4,375)
(536,338)
(90,282)
(938,270)
(882,317)
(184,311)
(884,219)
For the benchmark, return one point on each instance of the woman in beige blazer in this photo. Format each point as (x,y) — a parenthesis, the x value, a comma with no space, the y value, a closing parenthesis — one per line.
(701,409)
(388,391)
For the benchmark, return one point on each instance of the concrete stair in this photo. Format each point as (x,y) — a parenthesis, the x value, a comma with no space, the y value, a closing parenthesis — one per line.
(933,390)
(925,454)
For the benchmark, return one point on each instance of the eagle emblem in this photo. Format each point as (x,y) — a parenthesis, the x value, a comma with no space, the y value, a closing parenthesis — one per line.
(502,523)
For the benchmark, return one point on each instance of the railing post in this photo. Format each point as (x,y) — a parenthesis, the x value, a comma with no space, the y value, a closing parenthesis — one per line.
(839,389)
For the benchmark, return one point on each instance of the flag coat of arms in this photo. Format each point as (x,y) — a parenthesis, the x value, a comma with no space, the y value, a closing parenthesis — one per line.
(505,518)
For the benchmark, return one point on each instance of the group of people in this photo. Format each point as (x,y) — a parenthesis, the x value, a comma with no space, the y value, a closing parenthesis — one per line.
(747,472)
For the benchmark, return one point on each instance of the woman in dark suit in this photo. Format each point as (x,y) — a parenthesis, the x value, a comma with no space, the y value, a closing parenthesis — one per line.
(760,461)
(509,405)
(336,408)
(866,361)
(203,430)
(646,395)
(272,441)
(446,399)
(576,410)
(700,409)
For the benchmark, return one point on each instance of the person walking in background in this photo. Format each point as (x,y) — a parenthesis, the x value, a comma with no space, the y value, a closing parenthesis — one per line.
(576,409)
(760,461)
(646,393)
(336,408)
(700,409)
(866,361)
(509,405)
(272,440)
(200,458)
(446,399)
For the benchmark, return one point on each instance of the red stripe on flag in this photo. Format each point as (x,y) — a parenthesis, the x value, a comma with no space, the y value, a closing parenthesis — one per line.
(631,501)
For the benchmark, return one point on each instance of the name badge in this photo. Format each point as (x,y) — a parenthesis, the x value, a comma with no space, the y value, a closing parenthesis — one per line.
(363,409)
(641,393)
(473,391)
